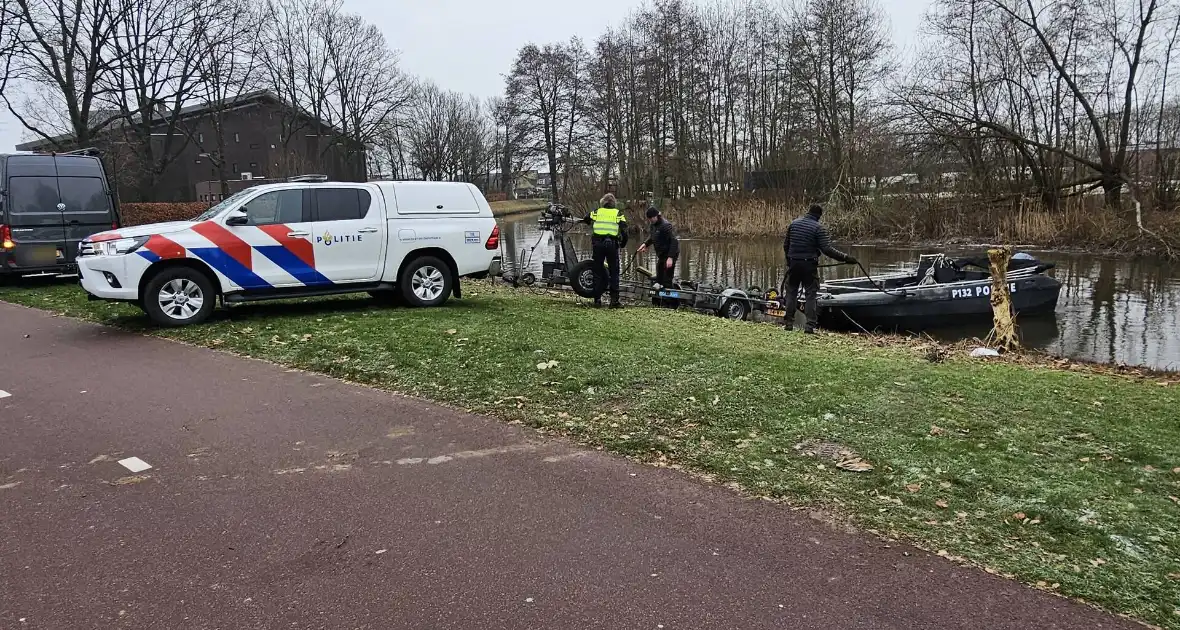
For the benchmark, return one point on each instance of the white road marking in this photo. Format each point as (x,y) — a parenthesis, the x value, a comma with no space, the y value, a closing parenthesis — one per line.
(442,459)
(561,458)
(134,464)
(4,394)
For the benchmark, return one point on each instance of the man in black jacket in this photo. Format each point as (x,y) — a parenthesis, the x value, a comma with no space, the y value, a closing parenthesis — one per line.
(667,246)
(806,240)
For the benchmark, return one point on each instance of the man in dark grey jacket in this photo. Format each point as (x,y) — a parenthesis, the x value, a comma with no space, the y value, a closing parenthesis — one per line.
(667,245)
(806,240)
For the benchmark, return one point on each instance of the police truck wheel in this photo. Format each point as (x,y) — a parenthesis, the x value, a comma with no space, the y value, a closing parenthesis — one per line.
(426,282)
(178,297)
(582,279)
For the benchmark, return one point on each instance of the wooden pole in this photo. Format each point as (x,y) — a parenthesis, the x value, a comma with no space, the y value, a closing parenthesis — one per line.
(1004,332)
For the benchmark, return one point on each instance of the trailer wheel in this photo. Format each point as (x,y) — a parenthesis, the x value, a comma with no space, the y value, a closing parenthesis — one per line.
(735,309)
(528,279)
(583,279)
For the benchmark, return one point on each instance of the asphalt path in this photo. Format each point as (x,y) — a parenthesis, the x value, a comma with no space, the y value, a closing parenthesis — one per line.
(284,499)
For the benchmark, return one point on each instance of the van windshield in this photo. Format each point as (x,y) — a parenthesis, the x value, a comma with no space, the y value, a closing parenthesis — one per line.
(219,208)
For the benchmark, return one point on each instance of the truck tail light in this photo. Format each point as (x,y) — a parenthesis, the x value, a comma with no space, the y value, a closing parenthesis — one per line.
(493,240)
(6,238)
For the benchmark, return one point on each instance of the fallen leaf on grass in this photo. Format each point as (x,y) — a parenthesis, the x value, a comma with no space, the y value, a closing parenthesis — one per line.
(452,332)
(855,465)
(1084,459)
(1149,468)
(914,487)
(1176,470)
(1174,576)
(942,504)
(934,430)
(945,485)
(1098,562)
(1019,516)
(546,365)
(1175,500)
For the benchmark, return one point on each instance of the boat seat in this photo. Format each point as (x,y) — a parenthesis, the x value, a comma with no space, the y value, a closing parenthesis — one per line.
(946,274)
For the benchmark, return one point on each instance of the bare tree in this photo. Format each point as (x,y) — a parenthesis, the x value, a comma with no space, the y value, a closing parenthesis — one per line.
(333,67)
(228,68)
(448,136)
(58,56)
(366,87)
(539,84)
(1056,83)
(156,51)
(842,46)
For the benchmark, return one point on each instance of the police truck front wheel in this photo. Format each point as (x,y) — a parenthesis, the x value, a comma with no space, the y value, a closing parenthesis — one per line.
(426,282)
(178,297)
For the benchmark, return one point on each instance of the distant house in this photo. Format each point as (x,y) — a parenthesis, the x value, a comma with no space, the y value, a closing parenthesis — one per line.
(255,147)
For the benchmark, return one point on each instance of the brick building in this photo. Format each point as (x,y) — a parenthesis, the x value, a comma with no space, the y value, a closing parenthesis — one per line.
(261,137)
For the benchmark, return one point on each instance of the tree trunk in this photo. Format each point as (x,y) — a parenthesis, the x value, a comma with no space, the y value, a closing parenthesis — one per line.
(1004,333)
(1112,188)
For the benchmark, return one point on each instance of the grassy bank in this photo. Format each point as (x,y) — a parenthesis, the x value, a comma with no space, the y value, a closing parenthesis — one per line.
(516,206)
(913,219)
(1065,480)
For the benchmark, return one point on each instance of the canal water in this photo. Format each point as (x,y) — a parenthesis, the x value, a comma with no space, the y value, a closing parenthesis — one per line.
(1112,310)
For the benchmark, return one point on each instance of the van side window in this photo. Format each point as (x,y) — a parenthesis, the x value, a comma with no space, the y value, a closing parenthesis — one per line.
(342,204)
(32,194)
(277,206)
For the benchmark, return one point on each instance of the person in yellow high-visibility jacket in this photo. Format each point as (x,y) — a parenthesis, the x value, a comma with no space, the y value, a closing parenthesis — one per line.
(609,236)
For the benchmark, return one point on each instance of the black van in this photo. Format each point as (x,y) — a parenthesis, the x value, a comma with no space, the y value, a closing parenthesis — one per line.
(48,204)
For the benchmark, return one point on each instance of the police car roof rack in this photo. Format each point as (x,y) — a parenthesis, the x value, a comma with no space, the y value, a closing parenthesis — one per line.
(307,179)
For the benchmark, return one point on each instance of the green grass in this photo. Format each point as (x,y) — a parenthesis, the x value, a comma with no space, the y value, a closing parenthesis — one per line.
(1090,461)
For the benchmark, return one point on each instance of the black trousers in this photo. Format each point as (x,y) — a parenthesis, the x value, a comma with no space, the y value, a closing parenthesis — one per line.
(606,251)
(805,274)
(664,277)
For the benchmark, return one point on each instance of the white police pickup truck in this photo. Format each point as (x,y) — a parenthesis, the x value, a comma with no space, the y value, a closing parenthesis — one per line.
(306,237)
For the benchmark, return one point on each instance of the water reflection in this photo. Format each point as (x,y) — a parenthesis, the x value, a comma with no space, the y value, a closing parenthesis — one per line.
(1110,310)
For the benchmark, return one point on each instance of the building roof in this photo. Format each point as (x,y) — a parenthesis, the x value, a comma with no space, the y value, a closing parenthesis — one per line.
(191,111)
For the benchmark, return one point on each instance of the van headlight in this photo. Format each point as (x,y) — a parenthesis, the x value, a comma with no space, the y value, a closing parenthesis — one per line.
(113,248)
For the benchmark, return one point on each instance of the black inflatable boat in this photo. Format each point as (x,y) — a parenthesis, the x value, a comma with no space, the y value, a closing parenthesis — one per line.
(939,292)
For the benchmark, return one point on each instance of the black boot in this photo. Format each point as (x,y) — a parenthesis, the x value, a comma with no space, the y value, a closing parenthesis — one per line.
(597,302)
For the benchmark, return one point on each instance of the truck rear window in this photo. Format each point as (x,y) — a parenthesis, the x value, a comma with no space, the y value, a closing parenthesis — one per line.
(83,194)
(28,195)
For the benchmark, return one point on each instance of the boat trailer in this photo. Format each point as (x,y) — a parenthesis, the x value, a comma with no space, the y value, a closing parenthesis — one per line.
(566,270)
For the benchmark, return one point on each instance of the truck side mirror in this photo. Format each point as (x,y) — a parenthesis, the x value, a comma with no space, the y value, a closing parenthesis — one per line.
(238,217)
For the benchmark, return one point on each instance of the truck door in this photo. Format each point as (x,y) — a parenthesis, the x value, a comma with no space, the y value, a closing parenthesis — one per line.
(34,218)
(350,234)
(85,203)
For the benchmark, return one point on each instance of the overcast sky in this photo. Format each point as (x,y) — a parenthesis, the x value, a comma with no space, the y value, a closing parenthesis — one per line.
(467,45)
